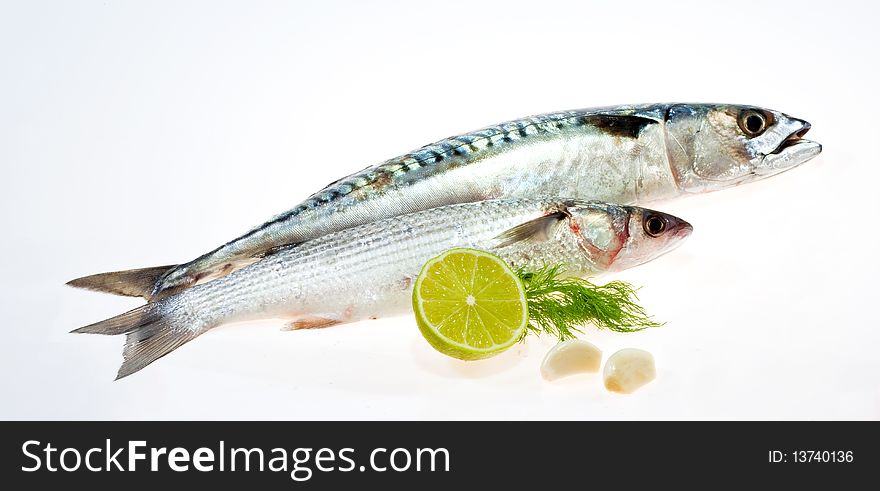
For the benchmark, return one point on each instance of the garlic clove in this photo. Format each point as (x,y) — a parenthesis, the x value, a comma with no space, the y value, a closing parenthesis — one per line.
(629,369)
(571,357)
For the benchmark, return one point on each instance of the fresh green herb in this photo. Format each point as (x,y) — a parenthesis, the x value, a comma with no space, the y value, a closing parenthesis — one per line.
(561,306)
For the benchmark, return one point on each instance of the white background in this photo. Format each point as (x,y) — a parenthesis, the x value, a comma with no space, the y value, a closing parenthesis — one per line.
(137,134)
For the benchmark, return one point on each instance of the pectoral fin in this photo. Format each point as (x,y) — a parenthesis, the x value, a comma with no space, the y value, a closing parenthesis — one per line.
(539,229)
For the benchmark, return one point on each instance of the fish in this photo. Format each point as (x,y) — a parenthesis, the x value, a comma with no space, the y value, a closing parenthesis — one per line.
(632,154)
(368,271)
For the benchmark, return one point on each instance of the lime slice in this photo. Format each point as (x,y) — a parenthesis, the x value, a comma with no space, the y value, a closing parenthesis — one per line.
(469,304)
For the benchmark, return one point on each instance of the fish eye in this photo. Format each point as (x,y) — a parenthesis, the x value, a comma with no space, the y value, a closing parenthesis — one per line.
(654,225)
(752,122)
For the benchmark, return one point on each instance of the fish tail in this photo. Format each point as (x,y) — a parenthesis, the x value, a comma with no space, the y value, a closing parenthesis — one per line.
(152,331)
(130,283)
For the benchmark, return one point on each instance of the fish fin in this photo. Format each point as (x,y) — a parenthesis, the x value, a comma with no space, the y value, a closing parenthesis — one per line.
(310,322)
(130,283)
(150,335)
(539,229)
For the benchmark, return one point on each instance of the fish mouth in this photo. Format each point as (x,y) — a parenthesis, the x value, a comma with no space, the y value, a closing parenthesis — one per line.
(684,230)
(679,228)
(792,152)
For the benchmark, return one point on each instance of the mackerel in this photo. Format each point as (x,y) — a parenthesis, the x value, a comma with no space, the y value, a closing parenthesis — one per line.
(632,154)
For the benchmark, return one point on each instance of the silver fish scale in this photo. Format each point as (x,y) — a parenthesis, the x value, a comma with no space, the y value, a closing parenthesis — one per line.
(368,271)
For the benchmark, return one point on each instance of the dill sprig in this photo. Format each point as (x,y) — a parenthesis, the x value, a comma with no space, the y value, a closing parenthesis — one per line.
(561,306)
